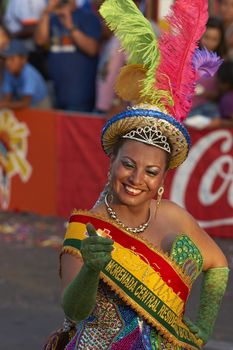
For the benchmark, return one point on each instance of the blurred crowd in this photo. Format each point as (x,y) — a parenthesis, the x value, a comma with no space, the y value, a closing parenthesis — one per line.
(213,101)
(60,54)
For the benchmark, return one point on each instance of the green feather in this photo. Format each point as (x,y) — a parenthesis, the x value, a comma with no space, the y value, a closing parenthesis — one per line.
(136,36)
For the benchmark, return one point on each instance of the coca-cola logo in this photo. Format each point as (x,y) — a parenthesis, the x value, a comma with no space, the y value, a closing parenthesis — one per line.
(204,183)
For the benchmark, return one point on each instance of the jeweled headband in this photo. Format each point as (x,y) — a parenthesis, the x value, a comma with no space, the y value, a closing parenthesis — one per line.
(150,135)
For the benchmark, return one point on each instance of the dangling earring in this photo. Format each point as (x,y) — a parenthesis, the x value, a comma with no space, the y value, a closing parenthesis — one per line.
(159,196)
(106,191)
(109,187)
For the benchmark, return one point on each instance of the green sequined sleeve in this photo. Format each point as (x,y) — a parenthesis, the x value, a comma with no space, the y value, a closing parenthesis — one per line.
(212,290)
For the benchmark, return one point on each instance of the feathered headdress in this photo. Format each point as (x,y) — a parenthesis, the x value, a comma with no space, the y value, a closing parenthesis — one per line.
(161,73)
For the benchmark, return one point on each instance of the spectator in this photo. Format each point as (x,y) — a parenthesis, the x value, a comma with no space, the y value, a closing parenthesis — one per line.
(73,36)
(225,85)
(20,19)
(112,59)
(213,38)
(205,100)
(226,12)
(23,86)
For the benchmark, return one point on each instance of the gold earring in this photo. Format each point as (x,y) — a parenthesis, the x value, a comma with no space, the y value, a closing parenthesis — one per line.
(159,196)
(109,187)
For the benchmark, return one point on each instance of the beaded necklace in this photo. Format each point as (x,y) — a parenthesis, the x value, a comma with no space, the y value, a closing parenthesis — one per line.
(135,230)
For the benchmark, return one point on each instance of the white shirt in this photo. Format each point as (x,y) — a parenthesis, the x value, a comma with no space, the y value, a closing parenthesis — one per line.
(23,12)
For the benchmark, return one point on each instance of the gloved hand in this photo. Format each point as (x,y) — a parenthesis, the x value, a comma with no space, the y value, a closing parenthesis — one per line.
(212,291)
(194,329)
(96,250)
(80,295)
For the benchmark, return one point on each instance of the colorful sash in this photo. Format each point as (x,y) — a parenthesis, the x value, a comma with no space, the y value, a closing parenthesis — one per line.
(145,278)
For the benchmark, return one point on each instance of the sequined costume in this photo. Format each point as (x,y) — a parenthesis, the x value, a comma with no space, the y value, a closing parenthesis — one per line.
(114,325)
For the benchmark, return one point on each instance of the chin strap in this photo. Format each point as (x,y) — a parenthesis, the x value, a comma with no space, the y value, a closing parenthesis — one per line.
(80,295)
(212,290)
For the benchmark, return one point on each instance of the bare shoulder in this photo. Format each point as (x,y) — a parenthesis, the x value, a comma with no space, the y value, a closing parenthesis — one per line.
(168,204)
(183,222)
(178,219)
(173,213)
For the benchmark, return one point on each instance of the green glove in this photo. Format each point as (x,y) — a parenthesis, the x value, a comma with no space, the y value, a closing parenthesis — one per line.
(95,250)
(195,329)
(212,291)
(80,295)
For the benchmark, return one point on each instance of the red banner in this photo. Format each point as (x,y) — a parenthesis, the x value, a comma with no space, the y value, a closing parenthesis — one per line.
(82,165)
(52,162)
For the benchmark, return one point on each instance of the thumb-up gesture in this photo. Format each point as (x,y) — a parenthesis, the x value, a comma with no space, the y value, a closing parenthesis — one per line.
(96,250)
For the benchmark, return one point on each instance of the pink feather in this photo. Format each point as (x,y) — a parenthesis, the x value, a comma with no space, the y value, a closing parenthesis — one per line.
(175,72)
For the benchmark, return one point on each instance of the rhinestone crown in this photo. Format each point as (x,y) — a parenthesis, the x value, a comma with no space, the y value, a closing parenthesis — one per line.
(149,135)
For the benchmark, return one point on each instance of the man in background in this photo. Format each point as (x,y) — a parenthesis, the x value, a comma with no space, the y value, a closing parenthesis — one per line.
(72,35)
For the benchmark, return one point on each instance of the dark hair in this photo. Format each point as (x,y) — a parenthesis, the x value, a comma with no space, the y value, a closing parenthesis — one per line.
(225,73)
(121,141)
(217,23)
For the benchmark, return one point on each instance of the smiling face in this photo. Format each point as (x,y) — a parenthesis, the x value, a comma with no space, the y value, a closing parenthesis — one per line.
(138,170)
